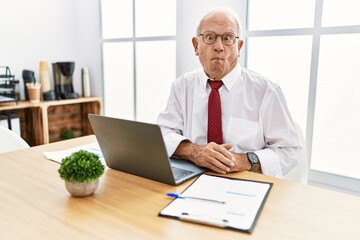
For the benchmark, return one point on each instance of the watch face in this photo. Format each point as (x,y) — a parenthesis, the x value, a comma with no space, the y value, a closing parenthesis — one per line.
(253,158)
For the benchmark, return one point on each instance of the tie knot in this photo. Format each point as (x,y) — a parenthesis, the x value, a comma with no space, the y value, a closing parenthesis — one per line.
(215,84)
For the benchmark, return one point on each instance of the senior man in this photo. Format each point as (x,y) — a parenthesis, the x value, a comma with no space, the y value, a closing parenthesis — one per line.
(224,117)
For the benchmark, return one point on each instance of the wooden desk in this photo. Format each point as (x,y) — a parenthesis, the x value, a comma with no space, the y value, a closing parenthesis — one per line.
(35,205)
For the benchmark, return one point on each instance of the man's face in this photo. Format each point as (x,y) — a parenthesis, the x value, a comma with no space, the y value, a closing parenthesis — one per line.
(217,59)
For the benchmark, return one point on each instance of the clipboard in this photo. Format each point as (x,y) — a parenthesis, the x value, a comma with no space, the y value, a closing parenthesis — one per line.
(219,201)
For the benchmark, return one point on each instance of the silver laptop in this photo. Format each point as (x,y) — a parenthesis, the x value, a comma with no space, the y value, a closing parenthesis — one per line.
(138,148)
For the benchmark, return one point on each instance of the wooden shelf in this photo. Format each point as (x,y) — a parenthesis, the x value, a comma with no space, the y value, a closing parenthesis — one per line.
(41,123)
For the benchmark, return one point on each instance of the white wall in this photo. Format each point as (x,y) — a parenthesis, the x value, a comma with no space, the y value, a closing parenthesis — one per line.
(58,30)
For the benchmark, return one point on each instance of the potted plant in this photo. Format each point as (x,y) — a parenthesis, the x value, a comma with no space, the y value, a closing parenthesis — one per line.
(81,171)
(67,134)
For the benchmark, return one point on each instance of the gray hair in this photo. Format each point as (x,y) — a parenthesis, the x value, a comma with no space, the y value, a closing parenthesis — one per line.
(226,11)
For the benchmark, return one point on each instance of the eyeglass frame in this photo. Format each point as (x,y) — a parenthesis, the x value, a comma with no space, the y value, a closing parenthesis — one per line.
(217,35)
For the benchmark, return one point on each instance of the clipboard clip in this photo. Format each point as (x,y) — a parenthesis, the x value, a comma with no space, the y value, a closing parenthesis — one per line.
(203,219)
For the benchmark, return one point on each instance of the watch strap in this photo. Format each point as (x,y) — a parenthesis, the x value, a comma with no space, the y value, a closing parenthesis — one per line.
(254,163)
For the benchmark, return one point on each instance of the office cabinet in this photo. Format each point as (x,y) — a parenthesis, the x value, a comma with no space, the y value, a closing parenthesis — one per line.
(43,122)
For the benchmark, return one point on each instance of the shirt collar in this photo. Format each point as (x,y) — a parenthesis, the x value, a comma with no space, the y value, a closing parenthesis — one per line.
(229,80)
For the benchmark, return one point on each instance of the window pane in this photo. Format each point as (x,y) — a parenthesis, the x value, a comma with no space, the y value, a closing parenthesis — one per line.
(155,72)
(292,55)
(281,14)
(155,18)
(117,18)
(341,13)
(337,113)
(118,80)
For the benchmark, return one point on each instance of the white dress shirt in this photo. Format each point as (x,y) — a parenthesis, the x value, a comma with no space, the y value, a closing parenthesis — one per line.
(254,117)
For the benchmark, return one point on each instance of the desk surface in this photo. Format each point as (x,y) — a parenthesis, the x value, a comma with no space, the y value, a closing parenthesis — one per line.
(34,204)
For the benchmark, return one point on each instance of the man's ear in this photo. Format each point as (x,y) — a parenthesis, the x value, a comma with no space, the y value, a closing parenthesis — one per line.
(195,42)
(240,44)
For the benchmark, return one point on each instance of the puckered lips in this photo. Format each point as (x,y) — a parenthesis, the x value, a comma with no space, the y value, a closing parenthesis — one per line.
(217,59)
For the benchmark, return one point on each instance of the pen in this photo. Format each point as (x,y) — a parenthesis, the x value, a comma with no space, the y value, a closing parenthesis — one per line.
(175,195)
(222,223)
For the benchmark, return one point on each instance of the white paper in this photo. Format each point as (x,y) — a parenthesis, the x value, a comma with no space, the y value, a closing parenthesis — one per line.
(15,125)
(242,199)
(57,156)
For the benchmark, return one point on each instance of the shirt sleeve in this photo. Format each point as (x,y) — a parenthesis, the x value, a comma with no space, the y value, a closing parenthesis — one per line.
(280,154)
(171,121)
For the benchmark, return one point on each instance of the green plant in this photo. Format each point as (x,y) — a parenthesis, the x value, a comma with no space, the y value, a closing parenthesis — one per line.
(81,166)
(67,134)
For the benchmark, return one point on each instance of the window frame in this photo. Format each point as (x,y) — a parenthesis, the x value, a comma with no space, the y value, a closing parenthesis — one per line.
(134,39)
(318,178)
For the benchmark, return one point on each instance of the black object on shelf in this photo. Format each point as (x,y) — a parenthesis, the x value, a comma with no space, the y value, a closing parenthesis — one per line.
(63,78)
(7,85)
(28,77)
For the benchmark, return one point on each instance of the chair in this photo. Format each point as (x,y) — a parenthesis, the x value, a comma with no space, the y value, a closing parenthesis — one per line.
(10,141)
(300,172)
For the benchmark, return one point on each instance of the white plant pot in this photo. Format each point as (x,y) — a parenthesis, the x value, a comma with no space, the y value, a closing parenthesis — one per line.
(82,189)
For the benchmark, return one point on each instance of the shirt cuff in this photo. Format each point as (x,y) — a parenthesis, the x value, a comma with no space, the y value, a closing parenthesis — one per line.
(172,141)
(270,164)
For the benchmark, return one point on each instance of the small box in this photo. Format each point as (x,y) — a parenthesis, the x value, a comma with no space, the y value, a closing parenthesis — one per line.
(14,123)
(4,121)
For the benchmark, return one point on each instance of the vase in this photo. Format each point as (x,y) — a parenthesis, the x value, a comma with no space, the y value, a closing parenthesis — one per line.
(84,189)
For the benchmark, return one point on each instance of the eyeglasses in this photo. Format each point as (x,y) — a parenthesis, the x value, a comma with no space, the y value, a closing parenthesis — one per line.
(227,38)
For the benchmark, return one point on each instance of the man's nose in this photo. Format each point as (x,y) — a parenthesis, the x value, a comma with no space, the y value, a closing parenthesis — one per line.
(219,44)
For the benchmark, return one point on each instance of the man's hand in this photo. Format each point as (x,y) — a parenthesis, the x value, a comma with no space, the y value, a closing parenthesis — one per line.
(242,163)
(212,155)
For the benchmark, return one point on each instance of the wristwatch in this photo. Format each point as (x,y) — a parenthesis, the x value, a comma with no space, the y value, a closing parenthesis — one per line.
(253,159)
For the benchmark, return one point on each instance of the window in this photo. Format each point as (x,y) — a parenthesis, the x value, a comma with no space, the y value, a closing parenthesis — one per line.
(294,52)
(337,117)
(340,13)
(317,53)
(298,14)
(155,18)
(139,57)
(117,19)
(155,74)
(118,75)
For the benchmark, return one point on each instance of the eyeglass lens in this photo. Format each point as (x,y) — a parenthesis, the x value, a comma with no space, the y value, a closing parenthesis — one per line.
(227,38)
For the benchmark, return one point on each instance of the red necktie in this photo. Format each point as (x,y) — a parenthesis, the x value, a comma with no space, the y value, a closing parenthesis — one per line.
(214,113)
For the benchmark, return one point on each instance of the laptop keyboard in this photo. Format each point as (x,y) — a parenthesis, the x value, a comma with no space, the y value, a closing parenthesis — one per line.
(180,172)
